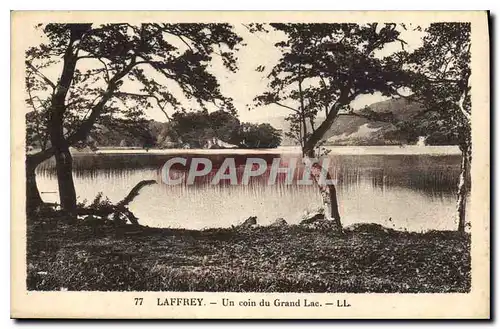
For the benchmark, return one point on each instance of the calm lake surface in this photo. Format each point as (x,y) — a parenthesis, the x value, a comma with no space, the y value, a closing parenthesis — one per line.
(410,187)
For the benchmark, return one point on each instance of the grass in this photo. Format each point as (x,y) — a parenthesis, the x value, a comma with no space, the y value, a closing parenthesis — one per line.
(101,257)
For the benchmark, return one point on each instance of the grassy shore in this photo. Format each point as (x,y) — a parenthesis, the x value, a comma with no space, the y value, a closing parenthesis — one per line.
(85,256)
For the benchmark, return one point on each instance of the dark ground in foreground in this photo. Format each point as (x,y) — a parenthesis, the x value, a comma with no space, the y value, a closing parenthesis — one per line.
(101,257)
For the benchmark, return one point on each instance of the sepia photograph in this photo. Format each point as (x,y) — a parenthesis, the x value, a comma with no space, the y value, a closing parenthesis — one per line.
(252,154)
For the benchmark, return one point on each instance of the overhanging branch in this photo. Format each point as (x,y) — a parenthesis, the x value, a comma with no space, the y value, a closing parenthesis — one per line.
(41,75)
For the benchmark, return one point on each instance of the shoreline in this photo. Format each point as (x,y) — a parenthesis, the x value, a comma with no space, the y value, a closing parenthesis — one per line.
(335,150)
(433,150)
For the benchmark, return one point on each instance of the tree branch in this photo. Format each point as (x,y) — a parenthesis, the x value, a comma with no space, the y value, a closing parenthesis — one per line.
(319,133)
(184,41)
(40,156)
(43,139)
(286,106)
(87,125)
(106,69)
(158,101)
(37,72)
(134,192)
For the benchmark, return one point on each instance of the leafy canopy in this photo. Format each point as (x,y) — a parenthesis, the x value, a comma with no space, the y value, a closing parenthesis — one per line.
(123,69)
(440,73)
(324,67)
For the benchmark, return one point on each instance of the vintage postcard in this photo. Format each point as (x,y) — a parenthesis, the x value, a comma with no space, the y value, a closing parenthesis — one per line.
(250,165)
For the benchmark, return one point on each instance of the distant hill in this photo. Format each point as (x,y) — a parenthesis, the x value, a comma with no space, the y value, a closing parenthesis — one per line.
(352,130)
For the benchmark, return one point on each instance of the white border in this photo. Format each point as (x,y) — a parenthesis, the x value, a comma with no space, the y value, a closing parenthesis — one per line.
(199,5)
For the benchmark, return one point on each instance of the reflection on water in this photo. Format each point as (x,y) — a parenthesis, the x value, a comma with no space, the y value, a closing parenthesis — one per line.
(413,192)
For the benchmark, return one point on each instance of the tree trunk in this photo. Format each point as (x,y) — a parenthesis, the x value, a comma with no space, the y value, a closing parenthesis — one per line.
(33,199)
(330,202)
(58,108)
(463,186)
(64,169)
(60,146)
(328,192)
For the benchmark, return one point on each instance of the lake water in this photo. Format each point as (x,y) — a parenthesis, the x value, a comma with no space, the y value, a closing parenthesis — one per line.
(410,187)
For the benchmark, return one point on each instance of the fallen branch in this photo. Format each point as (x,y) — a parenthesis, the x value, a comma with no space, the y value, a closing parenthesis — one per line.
(120,211)
(134,192)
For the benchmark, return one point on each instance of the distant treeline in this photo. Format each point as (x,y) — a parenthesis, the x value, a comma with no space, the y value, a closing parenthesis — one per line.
(195,129)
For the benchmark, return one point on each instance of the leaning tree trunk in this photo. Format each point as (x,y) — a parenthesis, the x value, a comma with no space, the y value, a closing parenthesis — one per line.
(64,170)
(328,191)
(64,161)
(33,199)
(463,186)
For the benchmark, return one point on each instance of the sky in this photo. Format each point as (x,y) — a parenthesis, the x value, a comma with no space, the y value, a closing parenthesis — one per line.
(247,83)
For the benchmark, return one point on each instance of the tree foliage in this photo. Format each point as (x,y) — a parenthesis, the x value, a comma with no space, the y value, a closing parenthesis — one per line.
(202,129)
(440,73)
(251,135)
(107,75)
(158,58)
(324,67)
